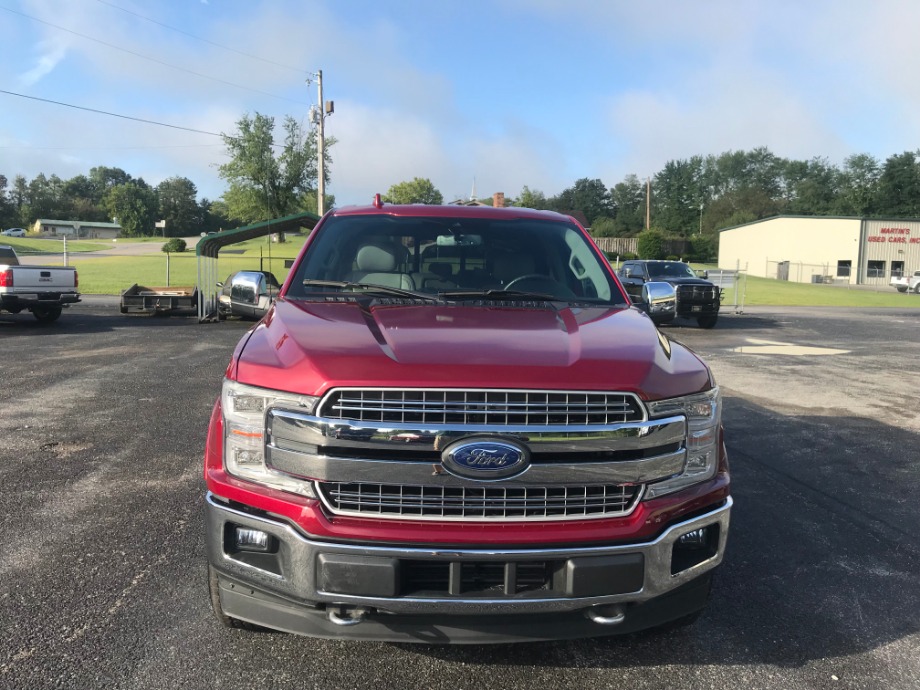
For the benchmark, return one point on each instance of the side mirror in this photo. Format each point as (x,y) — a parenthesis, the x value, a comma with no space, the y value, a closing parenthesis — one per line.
(246,287)
(659,301)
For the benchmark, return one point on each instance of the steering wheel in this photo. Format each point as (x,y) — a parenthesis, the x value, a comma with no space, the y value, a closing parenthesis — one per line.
(536,282)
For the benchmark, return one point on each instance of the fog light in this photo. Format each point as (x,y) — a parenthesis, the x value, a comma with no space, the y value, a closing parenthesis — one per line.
(252,540)
(694,539)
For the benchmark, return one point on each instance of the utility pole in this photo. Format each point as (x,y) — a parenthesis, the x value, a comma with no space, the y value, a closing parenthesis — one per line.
(320,146)
(648,203)
(318,115)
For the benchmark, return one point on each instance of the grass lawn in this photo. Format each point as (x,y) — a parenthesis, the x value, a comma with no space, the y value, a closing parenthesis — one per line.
(110,275)
(770,292)
(26,245)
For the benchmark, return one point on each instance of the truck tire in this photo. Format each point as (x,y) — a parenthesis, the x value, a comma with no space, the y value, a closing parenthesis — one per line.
(707,321)
(46,314)
(917,288)
(902,288)
(225,620)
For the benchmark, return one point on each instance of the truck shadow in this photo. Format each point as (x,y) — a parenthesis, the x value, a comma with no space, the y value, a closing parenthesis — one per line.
(823,558)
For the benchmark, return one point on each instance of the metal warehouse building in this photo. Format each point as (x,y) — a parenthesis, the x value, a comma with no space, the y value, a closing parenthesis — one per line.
(823,249)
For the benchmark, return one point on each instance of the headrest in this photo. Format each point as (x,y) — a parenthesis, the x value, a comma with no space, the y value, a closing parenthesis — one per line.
(379,257)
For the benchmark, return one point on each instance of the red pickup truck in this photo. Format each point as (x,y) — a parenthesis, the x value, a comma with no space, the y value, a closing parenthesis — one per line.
(453,426)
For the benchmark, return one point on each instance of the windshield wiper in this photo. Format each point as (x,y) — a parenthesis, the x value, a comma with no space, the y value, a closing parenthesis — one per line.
(369,287)
(498,295)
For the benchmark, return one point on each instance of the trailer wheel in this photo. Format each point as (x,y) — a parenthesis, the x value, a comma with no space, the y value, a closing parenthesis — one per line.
(46,314)
(225,620)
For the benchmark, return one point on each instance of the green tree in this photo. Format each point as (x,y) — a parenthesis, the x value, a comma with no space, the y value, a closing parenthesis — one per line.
(265,184)
(678,196)
(103,178)
(812,186)
(858,186)
(591,197)
(604,227)
(531,198)
(416,191)
(899,186)
(628,198)
(133,205)
(178,206)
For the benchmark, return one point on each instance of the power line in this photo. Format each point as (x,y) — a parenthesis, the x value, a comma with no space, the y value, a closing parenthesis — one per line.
(147,57)
(103,148)
(204,40)
(125,117)
(105,112)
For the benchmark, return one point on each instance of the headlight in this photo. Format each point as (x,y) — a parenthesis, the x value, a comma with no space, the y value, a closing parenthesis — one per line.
(244,409)
(703,412)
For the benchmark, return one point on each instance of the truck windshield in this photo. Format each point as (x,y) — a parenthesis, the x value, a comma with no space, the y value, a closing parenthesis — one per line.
(456,258)
(670,269)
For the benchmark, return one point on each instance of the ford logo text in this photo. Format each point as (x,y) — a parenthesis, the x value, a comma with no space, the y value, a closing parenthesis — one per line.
(485,459)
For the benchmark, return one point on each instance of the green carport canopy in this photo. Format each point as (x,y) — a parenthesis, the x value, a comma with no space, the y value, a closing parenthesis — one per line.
(209,247)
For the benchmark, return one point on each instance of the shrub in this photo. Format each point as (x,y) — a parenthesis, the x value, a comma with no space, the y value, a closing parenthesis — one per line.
(175,246)
(651,244)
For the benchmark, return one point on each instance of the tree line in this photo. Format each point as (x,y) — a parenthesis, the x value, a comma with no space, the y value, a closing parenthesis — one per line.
(688,199)
(108,194)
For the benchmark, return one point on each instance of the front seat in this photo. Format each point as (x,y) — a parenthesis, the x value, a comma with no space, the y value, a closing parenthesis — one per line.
(377,264)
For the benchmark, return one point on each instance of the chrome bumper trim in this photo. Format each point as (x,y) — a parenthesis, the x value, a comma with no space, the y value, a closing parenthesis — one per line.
(299,562)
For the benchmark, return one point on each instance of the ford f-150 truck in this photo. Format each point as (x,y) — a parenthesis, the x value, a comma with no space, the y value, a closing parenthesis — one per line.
(453,426)
(42,290)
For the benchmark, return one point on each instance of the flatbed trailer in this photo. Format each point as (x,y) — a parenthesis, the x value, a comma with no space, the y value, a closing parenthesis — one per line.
(141,299)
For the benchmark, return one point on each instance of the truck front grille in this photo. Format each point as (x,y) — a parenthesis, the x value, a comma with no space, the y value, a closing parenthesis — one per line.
(697,294)
(494,407)
(403,501)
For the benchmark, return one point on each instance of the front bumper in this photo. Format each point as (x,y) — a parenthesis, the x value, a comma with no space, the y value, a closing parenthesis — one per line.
(362,591)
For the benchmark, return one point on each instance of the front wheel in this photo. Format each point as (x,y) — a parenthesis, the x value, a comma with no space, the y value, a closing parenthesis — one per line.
(46,314)
(917,288)
(707,321)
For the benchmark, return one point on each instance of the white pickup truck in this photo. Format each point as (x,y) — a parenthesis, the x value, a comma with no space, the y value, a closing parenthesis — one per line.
(42,290)
(905,283)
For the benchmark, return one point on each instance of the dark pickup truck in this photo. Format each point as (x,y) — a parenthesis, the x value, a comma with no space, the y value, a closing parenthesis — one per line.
(696,298)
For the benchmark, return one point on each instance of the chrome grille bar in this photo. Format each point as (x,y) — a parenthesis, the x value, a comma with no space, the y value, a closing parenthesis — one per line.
(422,502)
(498,407)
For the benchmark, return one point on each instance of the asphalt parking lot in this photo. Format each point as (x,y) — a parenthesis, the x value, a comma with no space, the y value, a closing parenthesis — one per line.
(102,569)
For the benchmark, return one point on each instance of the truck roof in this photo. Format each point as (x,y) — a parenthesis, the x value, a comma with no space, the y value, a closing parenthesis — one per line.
(450,211)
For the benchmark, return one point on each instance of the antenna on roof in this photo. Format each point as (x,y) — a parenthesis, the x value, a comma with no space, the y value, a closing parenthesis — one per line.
(473,192)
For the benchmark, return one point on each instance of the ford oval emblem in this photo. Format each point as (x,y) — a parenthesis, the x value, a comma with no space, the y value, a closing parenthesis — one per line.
(485,459)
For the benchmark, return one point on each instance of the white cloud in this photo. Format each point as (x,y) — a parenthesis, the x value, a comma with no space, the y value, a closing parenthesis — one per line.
(52,55)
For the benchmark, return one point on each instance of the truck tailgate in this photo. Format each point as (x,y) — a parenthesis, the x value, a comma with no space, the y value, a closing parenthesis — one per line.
(43,279)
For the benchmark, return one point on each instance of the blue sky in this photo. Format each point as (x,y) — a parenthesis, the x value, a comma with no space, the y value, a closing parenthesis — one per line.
(509,92)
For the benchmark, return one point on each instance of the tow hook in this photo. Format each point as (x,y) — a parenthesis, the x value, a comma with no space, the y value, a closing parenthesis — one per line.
(606,615)
(344,615)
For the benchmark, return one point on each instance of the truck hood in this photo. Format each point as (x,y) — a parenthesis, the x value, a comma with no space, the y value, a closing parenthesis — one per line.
(309,347)
(686,281)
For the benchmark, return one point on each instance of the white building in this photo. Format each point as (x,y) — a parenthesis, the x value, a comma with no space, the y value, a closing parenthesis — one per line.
(76,228)
(822,249)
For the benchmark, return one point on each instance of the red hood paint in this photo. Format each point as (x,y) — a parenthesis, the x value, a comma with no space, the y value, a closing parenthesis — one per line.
(309,347)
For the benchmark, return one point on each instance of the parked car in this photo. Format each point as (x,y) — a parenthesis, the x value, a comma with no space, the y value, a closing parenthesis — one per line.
(14,232)
(905,283)
(247,294)
(697,298)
